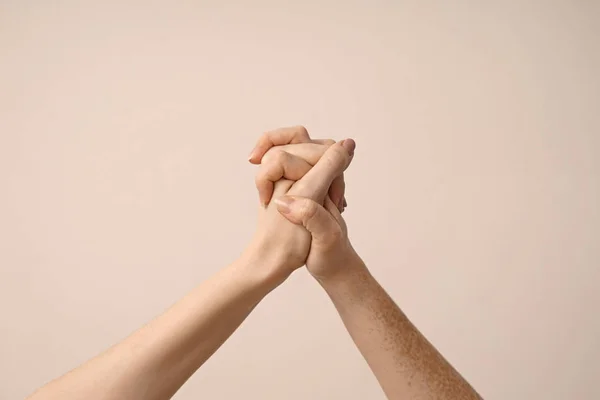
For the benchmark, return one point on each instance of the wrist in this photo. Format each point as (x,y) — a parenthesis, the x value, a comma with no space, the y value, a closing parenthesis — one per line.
(262,267)
(351,286)
(348,267)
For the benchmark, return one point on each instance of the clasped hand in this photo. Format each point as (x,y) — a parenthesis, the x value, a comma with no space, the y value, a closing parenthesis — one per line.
(300,180)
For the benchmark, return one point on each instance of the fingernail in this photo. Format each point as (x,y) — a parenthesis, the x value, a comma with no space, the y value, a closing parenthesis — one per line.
(349,145)
(283,204)
(250,155)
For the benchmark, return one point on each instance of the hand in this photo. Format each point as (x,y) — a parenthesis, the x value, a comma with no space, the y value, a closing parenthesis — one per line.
(292,135)
(330,249)
(283,245)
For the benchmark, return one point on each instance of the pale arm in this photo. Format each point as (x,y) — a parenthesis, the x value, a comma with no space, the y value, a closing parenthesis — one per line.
(155,361)
(406,365)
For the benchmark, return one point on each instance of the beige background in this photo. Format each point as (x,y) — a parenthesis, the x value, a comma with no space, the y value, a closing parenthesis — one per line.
(474,196)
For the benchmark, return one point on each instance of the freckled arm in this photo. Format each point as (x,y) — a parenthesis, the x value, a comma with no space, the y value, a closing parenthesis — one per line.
(405,363)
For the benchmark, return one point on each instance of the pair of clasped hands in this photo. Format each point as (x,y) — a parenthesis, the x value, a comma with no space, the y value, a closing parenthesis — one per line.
(301,179)
(301,188)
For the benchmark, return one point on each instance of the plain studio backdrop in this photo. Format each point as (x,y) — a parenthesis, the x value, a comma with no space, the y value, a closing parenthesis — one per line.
(474,196)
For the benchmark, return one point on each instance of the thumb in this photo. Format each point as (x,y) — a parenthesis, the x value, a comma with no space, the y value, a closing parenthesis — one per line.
(322,226)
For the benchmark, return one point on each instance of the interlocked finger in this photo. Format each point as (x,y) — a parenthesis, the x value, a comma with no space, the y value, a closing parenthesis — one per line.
(278,137)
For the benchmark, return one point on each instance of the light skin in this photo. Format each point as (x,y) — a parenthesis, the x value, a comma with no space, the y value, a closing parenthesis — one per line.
(301,188)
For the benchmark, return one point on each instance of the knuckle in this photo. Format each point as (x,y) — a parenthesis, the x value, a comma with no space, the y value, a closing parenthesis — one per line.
(280,157)
(272,155)
(301,130)
(271,171)
(308,209)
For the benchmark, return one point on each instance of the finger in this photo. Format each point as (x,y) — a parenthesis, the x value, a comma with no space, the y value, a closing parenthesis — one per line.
(315,184)
(335,213)
(336,191)
(310,152)
(272,168)
(280,165)
(295,134)
(321,224)
(285,161)
(282,187)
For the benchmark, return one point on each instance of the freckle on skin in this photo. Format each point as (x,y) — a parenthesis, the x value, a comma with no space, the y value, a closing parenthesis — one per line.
(421,366)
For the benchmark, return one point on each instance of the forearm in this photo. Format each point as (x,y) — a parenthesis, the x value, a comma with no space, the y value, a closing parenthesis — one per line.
(406,365)
(155,361)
